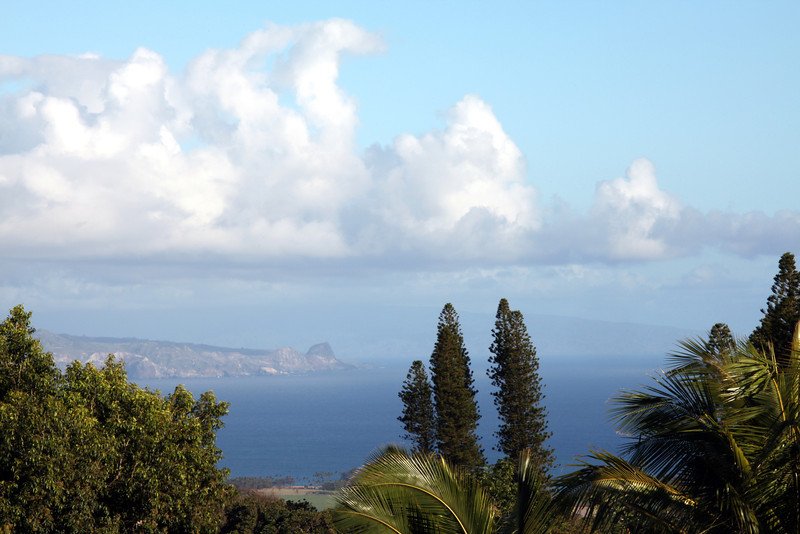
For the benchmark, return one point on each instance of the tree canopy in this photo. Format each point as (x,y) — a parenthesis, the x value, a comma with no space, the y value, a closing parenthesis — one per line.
(86,450)
(255,513)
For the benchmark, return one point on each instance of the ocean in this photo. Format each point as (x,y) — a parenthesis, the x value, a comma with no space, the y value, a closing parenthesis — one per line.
(331,422)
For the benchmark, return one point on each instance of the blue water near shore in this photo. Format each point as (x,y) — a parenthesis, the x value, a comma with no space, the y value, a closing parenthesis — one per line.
(299,425)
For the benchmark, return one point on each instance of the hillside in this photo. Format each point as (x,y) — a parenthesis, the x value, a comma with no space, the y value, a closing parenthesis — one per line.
(162,359)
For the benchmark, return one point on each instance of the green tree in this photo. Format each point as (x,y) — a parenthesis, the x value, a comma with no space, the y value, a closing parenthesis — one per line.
(51,463)
(88,451)
(253,513)
(454,395)
(714,448)
(518,398)
(162,471)
(52,466)
(418,416)
(720,339)
(783,310)
(499,480)
(24,365)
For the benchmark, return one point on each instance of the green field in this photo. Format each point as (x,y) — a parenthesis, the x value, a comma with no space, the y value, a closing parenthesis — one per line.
(321,500)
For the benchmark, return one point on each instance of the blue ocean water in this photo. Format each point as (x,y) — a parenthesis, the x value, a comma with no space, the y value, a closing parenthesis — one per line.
(300,425)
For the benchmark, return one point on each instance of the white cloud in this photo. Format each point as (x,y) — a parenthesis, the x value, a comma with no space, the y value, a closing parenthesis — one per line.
(458,191)
(104,173)
(472,164)
(629,210)
(250,155)
(633,219)
(270,166)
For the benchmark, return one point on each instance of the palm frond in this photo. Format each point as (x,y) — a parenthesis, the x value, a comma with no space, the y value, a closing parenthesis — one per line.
(610,492)
(696,459)
(401,492)
(534,512)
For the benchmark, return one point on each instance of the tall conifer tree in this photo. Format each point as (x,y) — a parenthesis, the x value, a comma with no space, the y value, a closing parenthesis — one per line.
(515,374)
(720,339)
(783,310)
(418,417)
(454,395)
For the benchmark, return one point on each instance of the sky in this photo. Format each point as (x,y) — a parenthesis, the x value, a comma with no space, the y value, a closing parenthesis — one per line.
(250,173)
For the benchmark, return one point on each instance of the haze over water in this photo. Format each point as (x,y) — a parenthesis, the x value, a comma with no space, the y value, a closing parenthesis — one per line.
(299,425)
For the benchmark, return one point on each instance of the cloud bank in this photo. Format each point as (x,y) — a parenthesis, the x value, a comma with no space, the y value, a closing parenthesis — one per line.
(250,155)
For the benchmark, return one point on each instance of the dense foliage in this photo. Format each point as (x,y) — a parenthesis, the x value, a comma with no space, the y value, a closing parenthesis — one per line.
(418,416)
(86,450)
(518,398)
(715,447)
(454,395)
(253,513)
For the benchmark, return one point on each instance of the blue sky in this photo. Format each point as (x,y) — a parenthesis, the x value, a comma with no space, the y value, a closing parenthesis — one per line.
(623,161)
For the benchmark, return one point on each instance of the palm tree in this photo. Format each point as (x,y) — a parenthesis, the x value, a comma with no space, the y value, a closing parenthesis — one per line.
(715,447)
(405,493)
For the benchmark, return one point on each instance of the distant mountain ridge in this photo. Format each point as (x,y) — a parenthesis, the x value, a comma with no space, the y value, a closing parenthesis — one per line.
(146,358)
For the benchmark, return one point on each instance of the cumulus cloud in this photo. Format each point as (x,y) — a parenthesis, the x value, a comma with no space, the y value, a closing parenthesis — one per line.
(250,155)
(458,191)
(251,152)
(632,218)
(646,222)
(630,208)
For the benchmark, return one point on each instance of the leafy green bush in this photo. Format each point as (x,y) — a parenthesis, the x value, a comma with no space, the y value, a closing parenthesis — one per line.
(86,450)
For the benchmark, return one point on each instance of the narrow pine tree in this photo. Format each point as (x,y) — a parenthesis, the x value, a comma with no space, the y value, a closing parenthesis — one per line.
(454,395)
(720,339)
(418,418)
(515,374)
(783,310)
